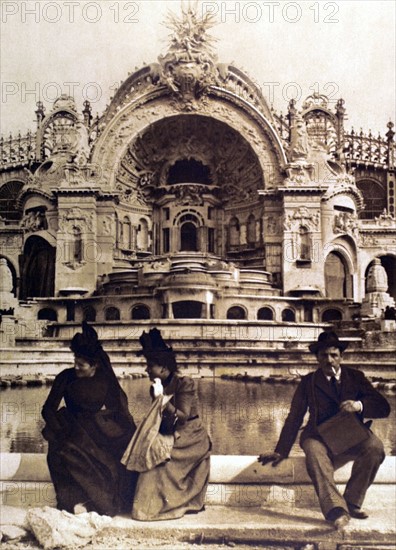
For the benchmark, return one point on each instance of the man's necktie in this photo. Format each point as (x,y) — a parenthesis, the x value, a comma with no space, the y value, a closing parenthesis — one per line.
(334,386)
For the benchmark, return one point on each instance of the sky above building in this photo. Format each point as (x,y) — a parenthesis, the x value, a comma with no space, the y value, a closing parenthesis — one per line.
(290,49)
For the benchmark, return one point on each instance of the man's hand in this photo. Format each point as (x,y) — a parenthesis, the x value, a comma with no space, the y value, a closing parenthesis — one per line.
(351,406)
(266,458)
(158,388)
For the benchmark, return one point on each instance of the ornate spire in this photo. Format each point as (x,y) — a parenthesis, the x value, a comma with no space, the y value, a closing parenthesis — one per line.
(40,113)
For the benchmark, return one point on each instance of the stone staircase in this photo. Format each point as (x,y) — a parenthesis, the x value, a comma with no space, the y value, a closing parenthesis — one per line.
(205,348)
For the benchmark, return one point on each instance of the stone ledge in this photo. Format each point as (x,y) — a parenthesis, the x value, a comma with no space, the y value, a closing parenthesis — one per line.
(235,481)
(224,469)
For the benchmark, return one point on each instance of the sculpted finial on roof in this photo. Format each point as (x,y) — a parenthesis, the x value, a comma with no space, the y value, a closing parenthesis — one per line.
(189,38)
(190,65)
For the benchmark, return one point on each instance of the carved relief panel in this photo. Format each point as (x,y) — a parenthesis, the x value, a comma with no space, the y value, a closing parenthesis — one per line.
(74,227)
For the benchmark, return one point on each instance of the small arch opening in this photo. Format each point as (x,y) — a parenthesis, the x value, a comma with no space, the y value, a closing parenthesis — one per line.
(112,314)
(288,315)
(89,314)
(265,314)
(140,312)
(331,315)
(47,314)
(236,312)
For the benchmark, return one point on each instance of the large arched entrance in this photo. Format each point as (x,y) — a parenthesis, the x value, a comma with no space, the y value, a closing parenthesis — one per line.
(389,264)
(38,269)
(336,276)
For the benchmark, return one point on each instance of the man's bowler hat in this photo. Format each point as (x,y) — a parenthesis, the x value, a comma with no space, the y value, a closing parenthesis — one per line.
(328,339)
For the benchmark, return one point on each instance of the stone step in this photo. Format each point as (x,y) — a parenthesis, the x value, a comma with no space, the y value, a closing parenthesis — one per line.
(25,361)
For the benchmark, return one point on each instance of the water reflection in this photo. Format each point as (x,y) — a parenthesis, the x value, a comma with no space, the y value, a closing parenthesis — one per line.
(241,418)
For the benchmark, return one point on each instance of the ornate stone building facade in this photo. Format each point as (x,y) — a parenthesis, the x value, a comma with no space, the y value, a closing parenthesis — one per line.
(190,198)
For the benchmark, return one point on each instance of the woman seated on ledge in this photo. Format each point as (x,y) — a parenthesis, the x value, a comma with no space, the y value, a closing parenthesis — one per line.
(178,486)
(88,436)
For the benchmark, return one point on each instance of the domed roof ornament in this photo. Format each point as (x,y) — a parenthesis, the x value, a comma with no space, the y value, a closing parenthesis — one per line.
(190,65)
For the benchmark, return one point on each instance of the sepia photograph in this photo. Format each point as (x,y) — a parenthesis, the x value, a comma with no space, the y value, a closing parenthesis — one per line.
(197,274)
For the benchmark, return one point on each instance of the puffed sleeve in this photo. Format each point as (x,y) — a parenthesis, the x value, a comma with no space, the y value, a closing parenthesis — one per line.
(117,400)
(183,399)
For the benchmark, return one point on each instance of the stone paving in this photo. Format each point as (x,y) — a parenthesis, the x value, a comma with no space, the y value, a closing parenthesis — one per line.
(221,527)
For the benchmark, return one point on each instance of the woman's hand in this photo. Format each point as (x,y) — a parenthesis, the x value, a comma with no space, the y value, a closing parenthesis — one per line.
(157,387)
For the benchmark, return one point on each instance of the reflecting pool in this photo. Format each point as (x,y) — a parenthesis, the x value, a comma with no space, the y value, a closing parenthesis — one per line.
(241,417)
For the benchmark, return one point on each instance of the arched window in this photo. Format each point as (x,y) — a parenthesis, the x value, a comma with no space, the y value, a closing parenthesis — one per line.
(236,312)
(335,276)
(265,314)
(140,312)
(331,315)
(234,231)
(251,230)
(288,315)
(8,276)
(374,195)
(89,314)
(189,171)
(188,237)
(9,208)
(112,314)
(142,235)
(47,314)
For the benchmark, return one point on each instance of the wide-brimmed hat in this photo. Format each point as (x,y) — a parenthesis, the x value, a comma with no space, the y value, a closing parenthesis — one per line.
(86,343)
(156,350)
(328,339)
(152,343)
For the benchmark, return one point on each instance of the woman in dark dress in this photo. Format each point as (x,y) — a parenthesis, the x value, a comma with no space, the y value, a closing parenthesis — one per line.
(88,436)
(177,486)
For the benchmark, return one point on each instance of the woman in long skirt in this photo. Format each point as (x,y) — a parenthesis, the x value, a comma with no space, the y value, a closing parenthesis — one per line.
(177,486)
(88,436)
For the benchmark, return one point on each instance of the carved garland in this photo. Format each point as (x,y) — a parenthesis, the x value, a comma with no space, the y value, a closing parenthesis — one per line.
(301,217)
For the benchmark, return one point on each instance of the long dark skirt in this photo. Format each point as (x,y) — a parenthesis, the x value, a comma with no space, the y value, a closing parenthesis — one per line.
(178,486)
(86,468)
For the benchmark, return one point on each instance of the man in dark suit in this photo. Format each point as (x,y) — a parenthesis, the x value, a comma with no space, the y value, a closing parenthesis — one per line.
(325,392)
